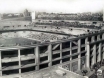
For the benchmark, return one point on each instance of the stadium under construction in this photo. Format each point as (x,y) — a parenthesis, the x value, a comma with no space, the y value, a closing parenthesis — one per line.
(30,47)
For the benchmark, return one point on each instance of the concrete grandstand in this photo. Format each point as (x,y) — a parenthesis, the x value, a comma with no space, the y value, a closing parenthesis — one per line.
(28,50)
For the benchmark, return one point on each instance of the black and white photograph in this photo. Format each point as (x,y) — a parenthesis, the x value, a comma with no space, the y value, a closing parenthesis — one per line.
(51,38)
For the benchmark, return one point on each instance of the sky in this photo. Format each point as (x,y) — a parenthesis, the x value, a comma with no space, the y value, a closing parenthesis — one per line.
(65,6)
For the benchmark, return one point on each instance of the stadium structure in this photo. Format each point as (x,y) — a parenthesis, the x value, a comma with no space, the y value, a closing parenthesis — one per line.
(47,42)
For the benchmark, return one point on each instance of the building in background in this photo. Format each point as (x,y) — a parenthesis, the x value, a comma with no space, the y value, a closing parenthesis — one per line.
(26,13)
(33,16)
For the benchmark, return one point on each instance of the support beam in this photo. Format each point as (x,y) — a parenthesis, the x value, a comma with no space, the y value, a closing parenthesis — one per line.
(70,57)
(88,56)
(98,37)
(103,14)
(86,40)
(74,42)
(103,36)
(79,56)
(92,38)
(99,56)
(0,64)
(37,60)
(94,55)
(50,54)
(61,53)
(19,57)
(103,52)
(35,56)
(55,46)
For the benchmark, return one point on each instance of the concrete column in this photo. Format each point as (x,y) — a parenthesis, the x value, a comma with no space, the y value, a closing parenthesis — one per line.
(61,53)
(0,65)
(92,38)
(98,37)
(70,57)
(37,58)
(103,52)
(19,57)
(99,56)
(94,55)
(88,56)
(50,54)
(103,36)
(79,56)
(86,40)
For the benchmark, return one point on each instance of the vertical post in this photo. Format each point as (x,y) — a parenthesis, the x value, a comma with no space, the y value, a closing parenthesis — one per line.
(35,56)
(92,38)
(79,56)
(94,55)
(103,53)
(99,56)
(98,37)
(88,56)
(19,61)
(70,54)
(103,43)
(103,36)
(37,60)
(86,40)
(103,14)
(61,53)
(0,64)
(50,54)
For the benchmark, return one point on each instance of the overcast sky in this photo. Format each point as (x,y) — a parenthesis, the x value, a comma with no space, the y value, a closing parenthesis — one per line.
(66,6)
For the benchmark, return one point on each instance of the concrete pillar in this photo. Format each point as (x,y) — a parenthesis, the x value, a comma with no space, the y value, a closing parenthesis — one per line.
(99,56)
(94,55)
(92,38)
(88,56)
(79,56)
(50,54)
(70,54)
(0,65)
(103,52)
(103,36)
(61,53)
(19,57)
(86,40)
(98,37)
(37,58)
